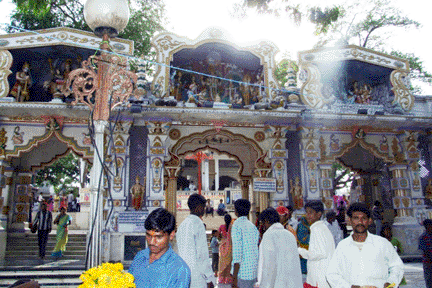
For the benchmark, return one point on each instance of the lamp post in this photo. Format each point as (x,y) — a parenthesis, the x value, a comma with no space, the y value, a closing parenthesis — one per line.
(199,157)
(102,83)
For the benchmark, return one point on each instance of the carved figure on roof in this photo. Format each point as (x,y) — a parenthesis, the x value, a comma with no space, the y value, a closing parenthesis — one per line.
(52,124)
(56,85)
(364,96)
(17,138)
(21,88)
(245,89)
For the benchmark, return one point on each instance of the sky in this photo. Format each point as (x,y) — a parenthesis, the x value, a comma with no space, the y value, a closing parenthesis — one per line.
(191,17)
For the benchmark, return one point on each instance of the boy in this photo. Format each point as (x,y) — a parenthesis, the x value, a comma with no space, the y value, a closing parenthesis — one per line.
(214,245)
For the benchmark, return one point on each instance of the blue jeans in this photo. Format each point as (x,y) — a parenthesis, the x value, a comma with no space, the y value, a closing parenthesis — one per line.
(378,225)
(246,283)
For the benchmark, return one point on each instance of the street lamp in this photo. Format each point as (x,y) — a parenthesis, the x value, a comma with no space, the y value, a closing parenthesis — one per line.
(102,84)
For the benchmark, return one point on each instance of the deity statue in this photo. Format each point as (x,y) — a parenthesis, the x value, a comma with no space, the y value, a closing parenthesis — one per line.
(297,193)
(245,89)
(22,85)
(138,193)
(56,85)
(428,190)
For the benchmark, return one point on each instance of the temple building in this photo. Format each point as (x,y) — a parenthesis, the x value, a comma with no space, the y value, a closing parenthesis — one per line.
(215,107)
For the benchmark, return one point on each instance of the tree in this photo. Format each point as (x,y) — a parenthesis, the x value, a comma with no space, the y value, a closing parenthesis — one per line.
(61,174)
(366,24)
(281,71)
(342,176)
(146,18)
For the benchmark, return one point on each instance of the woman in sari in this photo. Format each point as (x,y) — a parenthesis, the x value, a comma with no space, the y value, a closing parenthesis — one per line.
(62,221)
(303,235)
(225,251)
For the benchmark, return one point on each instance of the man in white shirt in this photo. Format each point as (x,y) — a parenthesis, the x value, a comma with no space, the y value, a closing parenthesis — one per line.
(321,246)
(279,262)
(364,259)
(333,226)
(192,244)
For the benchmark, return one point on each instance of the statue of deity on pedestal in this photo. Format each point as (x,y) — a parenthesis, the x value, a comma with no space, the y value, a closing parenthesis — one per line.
(138,193)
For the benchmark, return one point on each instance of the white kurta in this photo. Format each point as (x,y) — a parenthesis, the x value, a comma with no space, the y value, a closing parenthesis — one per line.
(192,248)
(321,248)
(279,262)
(375,264)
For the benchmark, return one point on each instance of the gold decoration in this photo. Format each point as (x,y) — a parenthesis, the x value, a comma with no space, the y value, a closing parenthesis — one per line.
(402,93)
(311,89)
(5,65)
(3,140)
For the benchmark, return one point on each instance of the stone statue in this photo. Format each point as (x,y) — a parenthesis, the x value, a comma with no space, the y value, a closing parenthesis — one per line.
(22,85)
(296,193)
(17,138)
(137,192)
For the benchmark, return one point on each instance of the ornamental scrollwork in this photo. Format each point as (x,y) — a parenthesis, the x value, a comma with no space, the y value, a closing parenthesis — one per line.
(311,89)
(400,88)
(168,42)
(102,83)
(5,65)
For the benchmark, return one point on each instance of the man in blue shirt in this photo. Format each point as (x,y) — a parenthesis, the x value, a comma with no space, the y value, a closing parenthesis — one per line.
(221,208)
(244,247)
(158,265)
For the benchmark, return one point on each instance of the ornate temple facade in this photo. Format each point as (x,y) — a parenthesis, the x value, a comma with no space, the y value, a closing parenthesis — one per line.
(345,105)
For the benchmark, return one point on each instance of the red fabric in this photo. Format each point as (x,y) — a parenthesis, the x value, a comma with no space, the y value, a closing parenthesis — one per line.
(282,210)
(306,285)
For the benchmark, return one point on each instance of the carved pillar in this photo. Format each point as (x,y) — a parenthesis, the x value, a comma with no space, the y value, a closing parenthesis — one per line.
(326,183)
(19,203)
(5,65)
(279,157)
(156,151)
(405,227)
(172,167)
(116,157)
(310,156)
(216,175)
(263,169)
(245,182)
(4,207)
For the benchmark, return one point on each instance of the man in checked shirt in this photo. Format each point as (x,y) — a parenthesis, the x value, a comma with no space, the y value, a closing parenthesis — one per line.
(245,247)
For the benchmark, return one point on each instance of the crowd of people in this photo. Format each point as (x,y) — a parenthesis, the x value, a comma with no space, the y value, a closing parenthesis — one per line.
(276,251)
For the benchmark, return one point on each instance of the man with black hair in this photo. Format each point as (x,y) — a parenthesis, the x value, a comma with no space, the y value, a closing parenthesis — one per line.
(425,244)
(321,246)
(279,262)
(158,265)
(333,226)
(245,247)
(43,222)
(364,259)
(192,244)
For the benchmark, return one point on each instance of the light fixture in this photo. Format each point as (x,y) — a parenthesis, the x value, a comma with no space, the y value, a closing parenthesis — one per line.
(106,16)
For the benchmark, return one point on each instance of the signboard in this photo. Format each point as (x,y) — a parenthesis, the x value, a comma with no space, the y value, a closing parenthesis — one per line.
(264,184)
(132,221)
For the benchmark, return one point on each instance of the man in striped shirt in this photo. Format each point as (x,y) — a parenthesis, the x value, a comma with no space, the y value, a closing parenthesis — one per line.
(43,221)
(245,247)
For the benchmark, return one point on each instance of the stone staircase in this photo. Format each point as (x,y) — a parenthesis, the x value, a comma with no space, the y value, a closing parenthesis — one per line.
(22,261)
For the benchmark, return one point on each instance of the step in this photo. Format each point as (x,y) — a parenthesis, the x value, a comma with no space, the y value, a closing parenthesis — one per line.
(48,253)
(49,274)
(53,283)
(48,246)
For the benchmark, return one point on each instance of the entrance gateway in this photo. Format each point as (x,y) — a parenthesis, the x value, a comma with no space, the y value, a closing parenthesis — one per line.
(348,105)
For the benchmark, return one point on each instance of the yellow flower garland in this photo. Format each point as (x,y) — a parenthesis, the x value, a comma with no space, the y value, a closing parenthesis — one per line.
(107,275)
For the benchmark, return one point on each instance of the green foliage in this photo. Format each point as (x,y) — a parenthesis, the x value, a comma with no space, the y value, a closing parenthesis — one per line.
(324,19)
(146,18)
(61,174)
(281,71)
(418,71)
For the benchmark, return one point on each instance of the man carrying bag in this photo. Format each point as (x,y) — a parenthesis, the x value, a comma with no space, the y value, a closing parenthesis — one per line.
(42,224)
